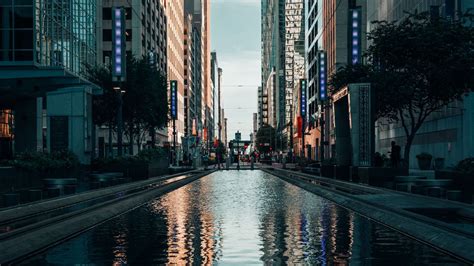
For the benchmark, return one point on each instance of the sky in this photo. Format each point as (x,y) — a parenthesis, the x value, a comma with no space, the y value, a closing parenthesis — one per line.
(235,36)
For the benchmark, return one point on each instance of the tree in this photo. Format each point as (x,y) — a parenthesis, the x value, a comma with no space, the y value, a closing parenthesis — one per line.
(266,138)
(416,67)
(145,101)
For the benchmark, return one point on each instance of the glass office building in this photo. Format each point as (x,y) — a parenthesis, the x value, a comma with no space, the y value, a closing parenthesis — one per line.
(58,33)
(45,46)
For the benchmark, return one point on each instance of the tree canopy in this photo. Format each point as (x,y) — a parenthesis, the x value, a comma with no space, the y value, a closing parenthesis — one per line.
(145,101)
(416,67)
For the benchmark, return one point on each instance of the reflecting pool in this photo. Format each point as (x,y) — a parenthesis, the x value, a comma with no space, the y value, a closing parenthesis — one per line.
(246,217)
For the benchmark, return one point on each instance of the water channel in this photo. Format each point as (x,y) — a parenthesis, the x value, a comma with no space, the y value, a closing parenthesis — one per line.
(243,218)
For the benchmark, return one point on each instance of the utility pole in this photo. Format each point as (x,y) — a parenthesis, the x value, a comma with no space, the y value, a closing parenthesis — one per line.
(219,122)
(322,122)
(120,123)
(291,132)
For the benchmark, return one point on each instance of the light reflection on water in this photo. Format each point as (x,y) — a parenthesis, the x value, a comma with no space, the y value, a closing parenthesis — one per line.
(243,218)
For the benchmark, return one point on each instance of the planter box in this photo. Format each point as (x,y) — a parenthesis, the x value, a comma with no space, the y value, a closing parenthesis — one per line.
(461,181)
(342,172)
(354,173)
(327,171)
(378,176)
(19,178)
(138,170)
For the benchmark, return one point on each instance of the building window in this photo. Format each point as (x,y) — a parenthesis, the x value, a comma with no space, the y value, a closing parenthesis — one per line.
(107,35)
(106,13)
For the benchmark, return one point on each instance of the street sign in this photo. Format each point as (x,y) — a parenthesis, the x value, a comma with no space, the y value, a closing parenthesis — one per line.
(174,99)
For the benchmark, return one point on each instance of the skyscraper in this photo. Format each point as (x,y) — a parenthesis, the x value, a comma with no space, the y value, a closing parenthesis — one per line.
(282,64)
(327,33)
(175,56)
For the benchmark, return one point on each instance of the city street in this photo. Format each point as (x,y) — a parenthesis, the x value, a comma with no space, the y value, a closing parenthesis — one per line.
(237,132)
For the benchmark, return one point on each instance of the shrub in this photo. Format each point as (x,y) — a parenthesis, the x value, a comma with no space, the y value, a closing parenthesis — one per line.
(466,166)
(424,156)
(40,161)
(151,154)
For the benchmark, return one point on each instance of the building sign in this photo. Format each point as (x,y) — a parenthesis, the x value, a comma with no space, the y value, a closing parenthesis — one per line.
(174,99)
(355,30)
(118,44)
(322,76)
(303,89)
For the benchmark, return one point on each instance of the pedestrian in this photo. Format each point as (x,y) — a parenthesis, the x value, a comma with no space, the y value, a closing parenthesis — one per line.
(395,155)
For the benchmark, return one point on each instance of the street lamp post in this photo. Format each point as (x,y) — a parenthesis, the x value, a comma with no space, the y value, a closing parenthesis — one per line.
(119,121)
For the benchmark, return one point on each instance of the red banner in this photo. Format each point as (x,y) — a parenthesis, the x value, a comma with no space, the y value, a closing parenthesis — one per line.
(299,126)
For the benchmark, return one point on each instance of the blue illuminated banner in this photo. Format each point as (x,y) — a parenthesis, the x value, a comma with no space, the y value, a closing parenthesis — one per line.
(118,44)
(174,99)
(355,32)
(322,76)
(303,89)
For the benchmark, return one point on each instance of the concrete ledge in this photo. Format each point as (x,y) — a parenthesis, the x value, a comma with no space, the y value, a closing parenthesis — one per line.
(23,246)
(378,207)
(8,214)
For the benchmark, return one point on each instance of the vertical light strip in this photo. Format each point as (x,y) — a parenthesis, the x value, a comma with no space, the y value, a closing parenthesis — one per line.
(355,35)
(118,43)
(303,88)
(174,100)
(322,75)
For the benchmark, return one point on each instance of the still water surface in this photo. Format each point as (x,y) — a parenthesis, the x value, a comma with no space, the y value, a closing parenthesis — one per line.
(242,218)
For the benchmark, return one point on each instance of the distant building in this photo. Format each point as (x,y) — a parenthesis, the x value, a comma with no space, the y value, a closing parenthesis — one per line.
(327,31)
(175,28)
(283,64)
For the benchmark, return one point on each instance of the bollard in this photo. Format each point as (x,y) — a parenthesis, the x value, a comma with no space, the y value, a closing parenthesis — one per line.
(95,185)
(35,194)
(11,199)
(227,164)
(69,189)
(53,192)
(454,195)
(251,164)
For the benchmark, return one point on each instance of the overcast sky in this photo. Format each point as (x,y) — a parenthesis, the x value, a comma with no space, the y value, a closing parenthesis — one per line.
(235,36)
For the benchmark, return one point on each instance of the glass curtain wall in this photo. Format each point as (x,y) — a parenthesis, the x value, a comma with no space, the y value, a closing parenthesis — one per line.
(65,33)
(48,32)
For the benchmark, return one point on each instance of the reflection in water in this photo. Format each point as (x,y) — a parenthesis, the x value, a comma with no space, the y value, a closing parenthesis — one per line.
(242,218)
